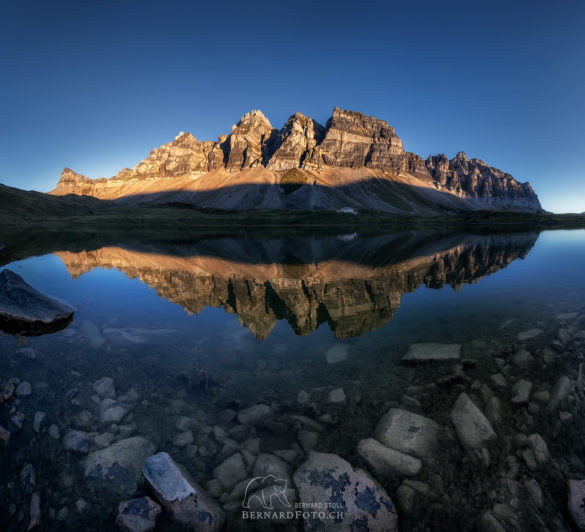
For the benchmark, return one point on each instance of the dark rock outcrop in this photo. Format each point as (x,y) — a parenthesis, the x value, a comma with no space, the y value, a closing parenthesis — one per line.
(350,140)
(22,308)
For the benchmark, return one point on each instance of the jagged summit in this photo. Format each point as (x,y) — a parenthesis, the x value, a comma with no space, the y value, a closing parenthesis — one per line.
(354,160)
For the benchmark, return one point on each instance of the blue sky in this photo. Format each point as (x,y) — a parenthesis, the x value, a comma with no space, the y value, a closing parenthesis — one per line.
(96,85)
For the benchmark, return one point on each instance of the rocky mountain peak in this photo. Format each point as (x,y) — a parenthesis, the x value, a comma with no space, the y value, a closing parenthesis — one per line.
(250,142)
(350,140)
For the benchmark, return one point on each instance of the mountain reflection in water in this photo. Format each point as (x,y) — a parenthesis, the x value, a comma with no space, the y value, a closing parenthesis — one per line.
(355,284)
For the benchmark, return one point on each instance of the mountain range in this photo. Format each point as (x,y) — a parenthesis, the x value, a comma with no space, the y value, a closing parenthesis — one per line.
(353,162)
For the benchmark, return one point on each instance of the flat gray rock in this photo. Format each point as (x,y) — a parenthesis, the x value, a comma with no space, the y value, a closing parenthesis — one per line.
(473,428)
(408,432)
(20,303)
(118,467)
(356,501)
(432,352)
(180,495)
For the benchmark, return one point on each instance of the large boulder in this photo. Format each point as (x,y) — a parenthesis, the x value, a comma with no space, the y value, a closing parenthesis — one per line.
(22,307)
(407,432)
(180,495)
(118,467)
(473,428)
(340,497)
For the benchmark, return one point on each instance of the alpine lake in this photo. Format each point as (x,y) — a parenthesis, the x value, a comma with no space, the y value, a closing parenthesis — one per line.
(446,368)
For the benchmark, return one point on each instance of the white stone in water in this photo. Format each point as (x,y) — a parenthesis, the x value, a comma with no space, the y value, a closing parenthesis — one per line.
(111,411)
(336,396)
(386,461)
(432,352)
(539,448)
(408,432)
(337,353)
(473,428)
(529,334)
(180,495)
(105,387)
(521,392)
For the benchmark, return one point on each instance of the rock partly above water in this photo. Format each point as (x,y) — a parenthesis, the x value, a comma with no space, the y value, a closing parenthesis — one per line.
(356,501)
(22,306)
(181,496)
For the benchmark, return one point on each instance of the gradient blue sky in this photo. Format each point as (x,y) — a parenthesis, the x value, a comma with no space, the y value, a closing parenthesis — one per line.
(97,85)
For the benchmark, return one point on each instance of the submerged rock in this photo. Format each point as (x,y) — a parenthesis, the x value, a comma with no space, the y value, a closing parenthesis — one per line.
(254,414)
(230,471)
(118,467)
(472,427)
(356,501)
(138,515)
(388,462)
(4,436)
(24,308)
(576,503)
(105,387)
(407,432)
(76,441)
(34,511)
(432,352)
(337,353)
(180,495)
(6,392)
(529,334)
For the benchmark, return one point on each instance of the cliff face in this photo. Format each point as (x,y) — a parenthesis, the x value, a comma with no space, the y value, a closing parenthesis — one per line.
(330,281)
(352,148)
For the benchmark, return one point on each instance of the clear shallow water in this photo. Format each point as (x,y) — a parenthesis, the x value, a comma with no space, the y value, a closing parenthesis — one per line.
(198,327)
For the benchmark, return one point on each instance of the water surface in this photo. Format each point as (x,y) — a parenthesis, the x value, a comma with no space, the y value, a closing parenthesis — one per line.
(198,327)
